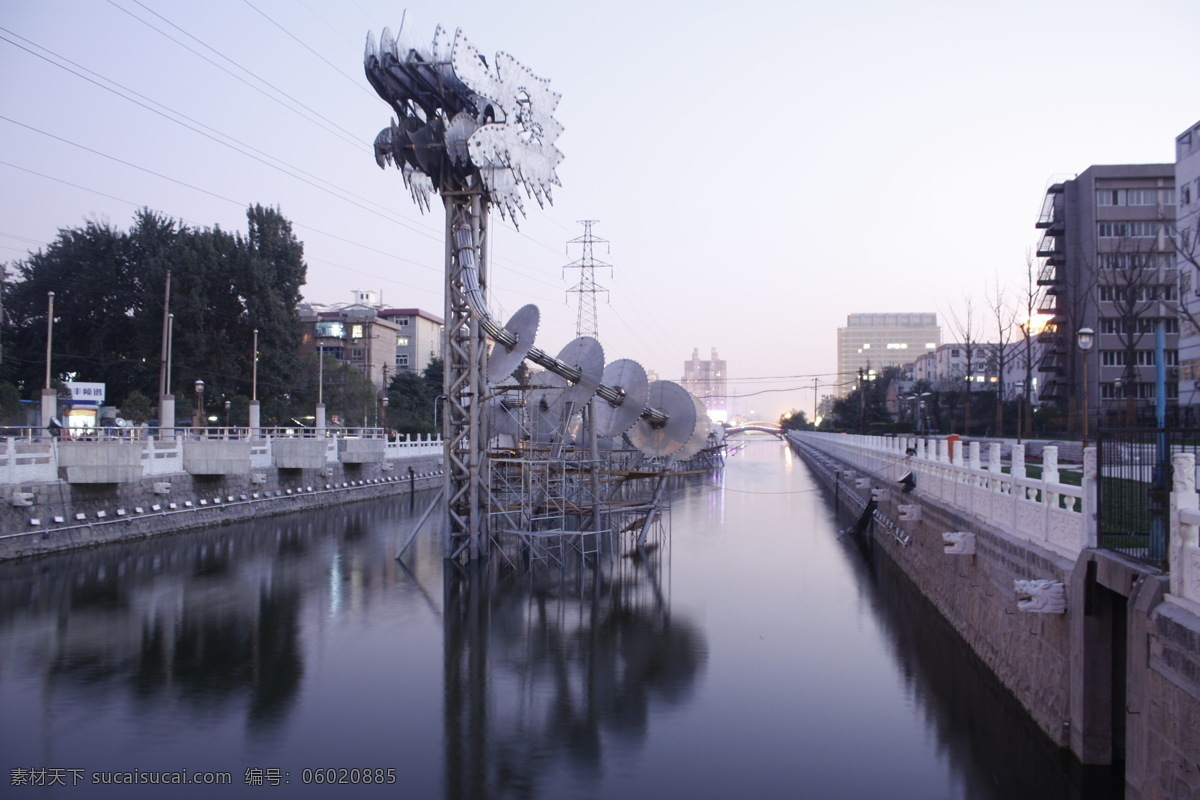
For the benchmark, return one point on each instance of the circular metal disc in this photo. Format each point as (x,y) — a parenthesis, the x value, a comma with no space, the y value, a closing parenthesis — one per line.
(676,402)
(586,355)
(699,433)
(545,404)
(629,378)
(502,361)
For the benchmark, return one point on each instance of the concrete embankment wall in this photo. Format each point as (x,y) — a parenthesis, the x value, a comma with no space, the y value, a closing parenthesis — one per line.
(1116,677)
(62,515)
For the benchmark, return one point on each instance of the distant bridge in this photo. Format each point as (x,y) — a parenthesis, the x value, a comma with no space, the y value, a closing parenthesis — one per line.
(755,427)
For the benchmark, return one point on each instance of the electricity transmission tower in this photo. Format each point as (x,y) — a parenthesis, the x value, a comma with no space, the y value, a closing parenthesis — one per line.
(587,289)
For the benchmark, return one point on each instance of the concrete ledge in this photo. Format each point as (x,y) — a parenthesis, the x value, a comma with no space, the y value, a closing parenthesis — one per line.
(216,456)
(298,453)
(361,451)
(96,462)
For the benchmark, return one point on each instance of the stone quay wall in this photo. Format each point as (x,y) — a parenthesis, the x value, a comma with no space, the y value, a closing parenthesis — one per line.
(55,515)
(1116,673)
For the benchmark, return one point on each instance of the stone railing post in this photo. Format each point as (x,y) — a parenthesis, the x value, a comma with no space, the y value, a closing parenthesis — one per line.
(1183,536)
(1091,495)
(1049,496)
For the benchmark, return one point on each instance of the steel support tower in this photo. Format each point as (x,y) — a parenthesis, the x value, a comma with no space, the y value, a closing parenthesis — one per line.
(587,321)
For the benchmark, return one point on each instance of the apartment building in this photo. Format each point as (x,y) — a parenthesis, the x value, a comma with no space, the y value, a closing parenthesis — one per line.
(418,337)
(1187,223)
(870,342)
(355,335)
(707,380)
(379,341)
(1109,267)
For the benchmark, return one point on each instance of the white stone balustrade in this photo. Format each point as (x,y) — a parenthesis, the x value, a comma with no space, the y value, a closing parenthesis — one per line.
(1053,514)
(37,458)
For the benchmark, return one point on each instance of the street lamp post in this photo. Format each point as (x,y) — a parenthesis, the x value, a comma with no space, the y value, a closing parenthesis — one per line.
(437,404)
(199,404)
(49,396)
(1084,339)
(1020,387)
(320,421)
(228,404)
(255,415)
(383,415)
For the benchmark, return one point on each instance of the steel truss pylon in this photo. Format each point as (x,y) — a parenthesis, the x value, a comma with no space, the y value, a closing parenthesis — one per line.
(464,383)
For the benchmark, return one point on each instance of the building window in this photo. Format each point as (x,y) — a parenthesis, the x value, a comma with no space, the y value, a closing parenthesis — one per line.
(402,341)
(402,361)
(1121,230)
(402,322)
(1135,197)
(330,330)
(356,331)
(356,354)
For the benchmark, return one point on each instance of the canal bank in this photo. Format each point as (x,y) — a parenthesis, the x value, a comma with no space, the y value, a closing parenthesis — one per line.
(56,515)
(1087,643)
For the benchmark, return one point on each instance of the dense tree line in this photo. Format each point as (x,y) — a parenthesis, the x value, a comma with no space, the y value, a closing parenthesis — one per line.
(412,398)
(109,292)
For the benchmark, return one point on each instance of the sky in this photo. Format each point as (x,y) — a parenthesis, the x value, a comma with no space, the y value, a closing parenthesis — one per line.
(760,170)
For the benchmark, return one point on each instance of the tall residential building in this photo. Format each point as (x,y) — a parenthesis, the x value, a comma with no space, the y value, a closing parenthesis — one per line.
(1108,266)
(707,380)
(354,335)
(1187,223)
(379,341)
(418,337)
(870,342)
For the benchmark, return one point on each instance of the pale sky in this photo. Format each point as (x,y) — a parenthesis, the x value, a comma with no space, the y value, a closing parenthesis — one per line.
(761,170)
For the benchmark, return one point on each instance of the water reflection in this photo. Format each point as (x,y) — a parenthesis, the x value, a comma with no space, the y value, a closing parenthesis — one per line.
(976,720)
(544,667)
(207,622)
(748,653)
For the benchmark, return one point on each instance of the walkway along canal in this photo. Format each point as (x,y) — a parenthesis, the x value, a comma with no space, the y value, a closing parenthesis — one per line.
(749,651)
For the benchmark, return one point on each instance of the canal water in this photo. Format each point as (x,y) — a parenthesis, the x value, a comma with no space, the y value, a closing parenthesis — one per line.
(748,651)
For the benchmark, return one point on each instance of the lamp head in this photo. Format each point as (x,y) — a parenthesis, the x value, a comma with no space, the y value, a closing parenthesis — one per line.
(1085,338)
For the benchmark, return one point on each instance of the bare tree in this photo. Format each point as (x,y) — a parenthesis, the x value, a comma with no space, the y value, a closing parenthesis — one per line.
(1185,247)
(964,326)
(1136,279)
(1069,300)
(1033,299)
(999,350)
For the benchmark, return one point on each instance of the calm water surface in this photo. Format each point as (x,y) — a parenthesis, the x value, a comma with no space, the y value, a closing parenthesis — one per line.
(749,654)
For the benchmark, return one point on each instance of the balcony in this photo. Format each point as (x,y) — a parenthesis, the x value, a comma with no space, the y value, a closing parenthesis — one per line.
(1048,334)
(1048,246)
(1048,275)
(1053,362)
(1046,218)
(1052,390)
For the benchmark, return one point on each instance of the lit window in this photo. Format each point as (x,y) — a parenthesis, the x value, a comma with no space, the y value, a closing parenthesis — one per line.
(402,341)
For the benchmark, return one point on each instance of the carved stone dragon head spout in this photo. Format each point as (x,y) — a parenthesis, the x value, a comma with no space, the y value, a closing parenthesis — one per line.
(959,543)
(1041,596)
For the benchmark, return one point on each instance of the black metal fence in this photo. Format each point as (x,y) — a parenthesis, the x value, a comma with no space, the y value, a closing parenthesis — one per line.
(1134,492)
